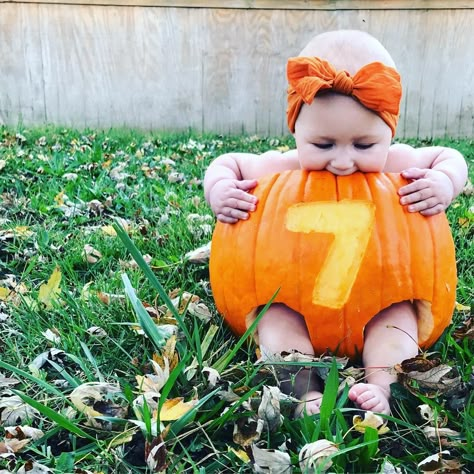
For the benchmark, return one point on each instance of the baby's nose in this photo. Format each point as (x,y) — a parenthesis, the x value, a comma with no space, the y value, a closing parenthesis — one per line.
(343,161)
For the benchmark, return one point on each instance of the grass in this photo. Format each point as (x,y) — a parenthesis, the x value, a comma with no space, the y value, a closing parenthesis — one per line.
(174,394)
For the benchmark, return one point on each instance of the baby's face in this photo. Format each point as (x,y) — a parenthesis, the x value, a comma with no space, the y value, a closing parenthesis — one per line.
(337,134)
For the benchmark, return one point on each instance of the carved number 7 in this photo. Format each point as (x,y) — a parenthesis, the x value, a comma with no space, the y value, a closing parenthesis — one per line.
(351,223)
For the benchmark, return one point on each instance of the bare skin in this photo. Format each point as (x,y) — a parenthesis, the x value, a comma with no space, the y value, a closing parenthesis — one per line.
(337,134)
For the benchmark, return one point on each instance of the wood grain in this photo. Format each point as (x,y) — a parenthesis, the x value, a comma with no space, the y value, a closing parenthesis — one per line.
(217,70)
(276,4)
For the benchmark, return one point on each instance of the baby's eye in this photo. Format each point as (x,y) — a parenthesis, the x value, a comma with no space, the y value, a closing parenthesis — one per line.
(323,146)
(363,146)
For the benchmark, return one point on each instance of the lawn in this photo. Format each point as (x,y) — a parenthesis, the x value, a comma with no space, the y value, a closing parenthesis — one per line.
(114,358)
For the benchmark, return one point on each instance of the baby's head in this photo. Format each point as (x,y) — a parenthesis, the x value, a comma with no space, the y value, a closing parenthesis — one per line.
(343,102)
(348,50)
(348,62)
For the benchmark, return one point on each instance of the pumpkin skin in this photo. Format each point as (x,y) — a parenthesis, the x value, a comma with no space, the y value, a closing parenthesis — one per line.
(310,223)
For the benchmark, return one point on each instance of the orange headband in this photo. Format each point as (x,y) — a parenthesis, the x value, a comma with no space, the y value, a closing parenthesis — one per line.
(375,86)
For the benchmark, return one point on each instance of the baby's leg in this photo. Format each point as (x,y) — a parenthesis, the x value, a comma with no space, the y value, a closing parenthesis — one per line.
(385,346)
(282,329)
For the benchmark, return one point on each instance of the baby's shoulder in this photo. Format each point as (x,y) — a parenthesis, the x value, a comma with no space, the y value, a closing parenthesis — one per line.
(400,157)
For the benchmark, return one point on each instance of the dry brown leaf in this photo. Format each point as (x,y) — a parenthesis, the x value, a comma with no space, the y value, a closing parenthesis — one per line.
(13,410)
(434,434)
(420,363)
(56,355)
(99,399)
(33,467)
(91,255)
(151,399)
(315,456)
(52,335)
(8,446)
(271,461)
(155,454)
(169,353)
(97,332)
(435,379)
(269,408)
(154,382)
(435,464)
(23,432)
(200,255)
(247,431)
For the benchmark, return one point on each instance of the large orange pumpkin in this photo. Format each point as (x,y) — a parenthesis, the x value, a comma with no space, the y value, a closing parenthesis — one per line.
(340,249)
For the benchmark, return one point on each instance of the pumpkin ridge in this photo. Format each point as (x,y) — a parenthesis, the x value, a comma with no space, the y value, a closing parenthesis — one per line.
(262,203)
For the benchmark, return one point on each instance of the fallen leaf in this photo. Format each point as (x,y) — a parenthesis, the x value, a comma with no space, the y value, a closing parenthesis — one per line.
(240,453)
(314,457)
(13,410)
(13,445)
(462,307)
(108,230)
(435,464)
(271,461)
(23,432)
(91,254)
(269,408)
(175,408)
(247,431)
(371,420)
(56,355)
(155,454)
(212,376)
(434,434)
(154,382)
(95,399)
(97,332)
(200,255)
(33,467)
(435,379)
(52,335)
(151,399)
(49,292)
(420,363)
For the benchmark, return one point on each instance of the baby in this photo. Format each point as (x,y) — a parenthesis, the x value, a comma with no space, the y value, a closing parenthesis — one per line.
(343,104)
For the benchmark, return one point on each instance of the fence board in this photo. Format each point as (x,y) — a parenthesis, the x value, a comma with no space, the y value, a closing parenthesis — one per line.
(218,69)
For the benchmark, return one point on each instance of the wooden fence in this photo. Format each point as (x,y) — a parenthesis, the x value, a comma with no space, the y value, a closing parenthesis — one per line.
(219,66)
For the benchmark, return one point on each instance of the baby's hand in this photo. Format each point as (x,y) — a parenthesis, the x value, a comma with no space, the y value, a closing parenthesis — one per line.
(430,193)
(230,201)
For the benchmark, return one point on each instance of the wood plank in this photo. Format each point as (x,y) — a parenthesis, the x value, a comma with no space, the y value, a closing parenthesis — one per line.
(275,4)
(214,70)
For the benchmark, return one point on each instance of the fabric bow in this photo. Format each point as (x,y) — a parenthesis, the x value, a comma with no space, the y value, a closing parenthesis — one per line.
(375,85)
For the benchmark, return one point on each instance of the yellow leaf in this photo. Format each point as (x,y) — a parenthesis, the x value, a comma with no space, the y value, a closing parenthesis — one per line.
(175,409)
(22,231)
(4,292)
(462,307)
(49,292)
(370,420)
(241,454)
(59,198)
(108,230)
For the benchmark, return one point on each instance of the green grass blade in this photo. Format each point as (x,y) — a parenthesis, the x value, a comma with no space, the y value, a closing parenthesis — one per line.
(54,416)
(21,373)
(158,335)
(329,398)
(137,256)
(224,361)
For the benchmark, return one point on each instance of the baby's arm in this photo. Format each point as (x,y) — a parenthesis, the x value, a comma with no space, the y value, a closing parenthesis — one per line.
(230,177)
(438,173)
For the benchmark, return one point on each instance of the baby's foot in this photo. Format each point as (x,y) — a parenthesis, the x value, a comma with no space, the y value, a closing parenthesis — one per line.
(371,397)
(310,404)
